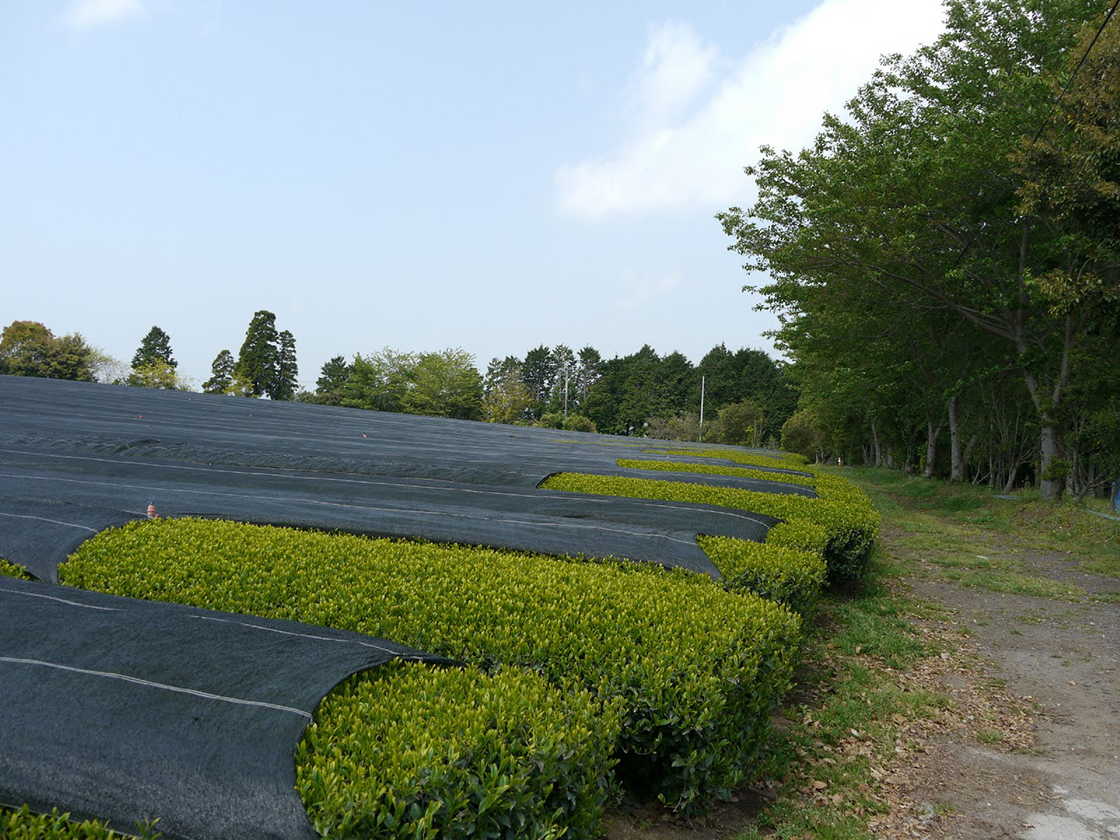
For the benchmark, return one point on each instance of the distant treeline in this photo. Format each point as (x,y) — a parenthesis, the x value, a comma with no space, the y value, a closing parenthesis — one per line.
(747,396)
(639,394)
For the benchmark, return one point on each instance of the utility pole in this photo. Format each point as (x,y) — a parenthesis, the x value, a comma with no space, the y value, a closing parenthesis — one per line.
(701,409)
(565,393)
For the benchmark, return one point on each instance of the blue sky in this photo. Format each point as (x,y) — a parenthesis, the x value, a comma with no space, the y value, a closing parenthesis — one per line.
(491,176)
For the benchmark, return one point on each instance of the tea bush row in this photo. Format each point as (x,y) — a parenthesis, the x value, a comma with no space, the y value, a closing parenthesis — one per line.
(408,750)
(691,669)
(21,824)
(12,570)
(791,577)
(850,521)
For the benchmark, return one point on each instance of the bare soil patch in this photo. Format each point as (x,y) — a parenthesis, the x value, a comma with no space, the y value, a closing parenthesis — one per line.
(1059,660)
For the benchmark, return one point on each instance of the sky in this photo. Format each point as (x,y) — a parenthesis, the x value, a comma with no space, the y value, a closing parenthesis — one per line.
(492,176)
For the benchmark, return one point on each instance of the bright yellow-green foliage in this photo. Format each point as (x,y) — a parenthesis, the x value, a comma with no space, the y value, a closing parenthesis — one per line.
(693,669)
(862,520)
(716,469)
(790,577)
(843,510)
(23,825)
(11,570)
(409,750)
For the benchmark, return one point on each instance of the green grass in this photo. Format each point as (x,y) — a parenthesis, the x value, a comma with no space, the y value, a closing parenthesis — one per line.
(965,532)
(841,721)
(859,643)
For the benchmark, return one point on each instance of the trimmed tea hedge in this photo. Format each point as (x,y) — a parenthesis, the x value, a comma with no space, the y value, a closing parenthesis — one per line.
(21,824)
(12,570)
(791,577)
(716,469)
(408,750)
(692,669)
(850,521)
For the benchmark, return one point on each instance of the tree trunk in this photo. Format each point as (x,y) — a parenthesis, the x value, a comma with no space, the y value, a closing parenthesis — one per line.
(877,444)
(1011,475)
(956,459)
(932,433)
(1053,471)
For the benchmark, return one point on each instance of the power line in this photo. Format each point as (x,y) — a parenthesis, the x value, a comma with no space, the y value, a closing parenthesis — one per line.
(1076,70)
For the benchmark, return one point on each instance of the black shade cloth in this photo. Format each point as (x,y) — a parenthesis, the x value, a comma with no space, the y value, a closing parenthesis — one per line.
(76,458)
(127,710)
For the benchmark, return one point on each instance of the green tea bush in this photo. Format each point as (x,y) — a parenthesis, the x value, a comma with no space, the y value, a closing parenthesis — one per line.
(408,750)
(859,522)
(12,570)
(692,669)
(844,511)
(21,824)
(791,577)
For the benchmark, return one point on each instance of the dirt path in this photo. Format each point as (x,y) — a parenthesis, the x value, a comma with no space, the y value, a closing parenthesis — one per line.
(1061,779)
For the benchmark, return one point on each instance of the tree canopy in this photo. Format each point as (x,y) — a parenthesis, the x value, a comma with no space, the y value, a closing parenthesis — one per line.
(935,237)
(28,348)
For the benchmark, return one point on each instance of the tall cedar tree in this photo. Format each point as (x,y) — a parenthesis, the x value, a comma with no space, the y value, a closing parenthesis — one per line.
(257,361)
(221,374)
(156,345)
(284,384)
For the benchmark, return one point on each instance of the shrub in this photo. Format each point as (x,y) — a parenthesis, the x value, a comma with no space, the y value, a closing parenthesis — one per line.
(551,420)
(21,824)
(579,423)
(715,469)
(692,669)
(849,520)
(791,577)
(11,570)
(408,750)
(849,549)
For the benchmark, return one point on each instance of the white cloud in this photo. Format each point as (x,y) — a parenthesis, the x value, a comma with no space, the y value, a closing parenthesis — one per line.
(646,289)
(675,68)
(692,132)
(84,14)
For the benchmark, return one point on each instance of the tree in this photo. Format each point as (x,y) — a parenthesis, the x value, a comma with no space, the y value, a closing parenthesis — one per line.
(505,398)
(802,433)
(285,381)
(588,370)
(379,381)
(257,361)
(332,379)
(28,348)
(155,345)
(153,365)
(740,424)
(914,196)
(445,384)
(221,374)
(538,372)
(108,370)
(157,374)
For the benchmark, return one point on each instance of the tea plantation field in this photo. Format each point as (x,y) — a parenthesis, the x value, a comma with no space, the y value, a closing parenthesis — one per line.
(552,617)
